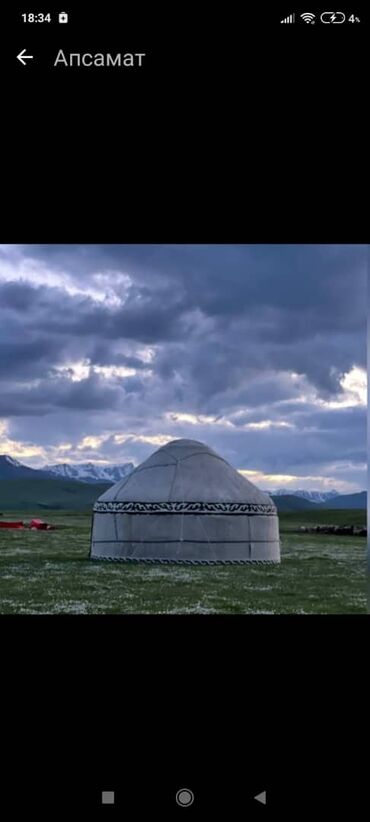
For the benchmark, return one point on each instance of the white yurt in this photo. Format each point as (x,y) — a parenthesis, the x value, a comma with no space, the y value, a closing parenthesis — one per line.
(185,504)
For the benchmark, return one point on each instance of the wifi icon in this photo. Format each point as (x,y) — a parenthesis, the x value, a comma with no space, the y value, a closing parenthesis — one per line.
(308,17)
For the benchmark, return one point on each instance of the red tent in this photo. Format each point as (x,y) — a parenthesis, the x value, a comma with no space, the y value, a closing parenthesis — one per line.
(40,525)
(11,525)
(37,524)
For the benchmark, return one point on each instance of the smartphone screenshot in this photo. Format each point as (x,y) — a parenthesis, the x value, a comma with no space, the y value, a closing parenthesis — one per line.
(183,403)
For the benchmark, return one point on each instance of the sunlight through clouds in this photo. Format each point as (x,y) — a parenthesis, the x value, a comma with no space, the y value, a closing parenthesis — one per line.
(272,482)
(354,385)
(268,424)
(196,419)
(101,286)
(78,371)
(158,440)
(90,442)
(18,450)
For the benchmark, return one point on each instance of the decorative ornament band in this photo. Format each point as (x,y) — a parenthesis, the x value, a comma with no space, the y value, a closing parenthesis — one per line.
(246,508)
(159,561)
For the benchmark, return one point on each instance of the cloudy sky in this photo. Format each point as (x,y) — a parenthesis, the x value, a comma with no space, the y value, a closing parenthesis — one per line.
(108,352)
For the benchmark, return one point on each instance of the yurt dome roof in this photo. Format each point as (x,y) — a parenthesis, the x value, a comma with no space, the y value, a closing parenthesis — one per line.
(185,470)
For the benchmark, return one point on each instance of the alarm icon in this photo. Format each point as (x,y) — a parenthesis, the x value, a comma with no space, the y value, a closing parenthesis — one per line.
(63,17)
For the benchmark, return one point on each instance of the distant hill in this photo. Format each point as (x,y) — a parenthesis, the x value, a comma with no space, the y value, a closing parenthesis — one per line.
(288,502)
(90,472)
(41,494)
(347,501)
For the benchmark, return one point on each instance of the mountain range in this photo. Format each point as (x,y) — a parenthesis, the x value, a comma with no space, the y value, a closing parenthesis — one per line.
(19,483)
(10,468)
(90,472)
(311,496)
(289,502)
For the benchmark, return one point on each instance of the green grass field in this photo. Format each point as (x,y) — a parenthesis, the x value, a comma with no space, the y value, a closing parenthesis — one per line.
(50,573)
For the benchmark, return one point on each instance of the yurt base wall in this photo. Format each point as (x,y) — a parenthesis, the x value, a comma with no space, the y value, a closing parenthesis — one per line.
(190,538)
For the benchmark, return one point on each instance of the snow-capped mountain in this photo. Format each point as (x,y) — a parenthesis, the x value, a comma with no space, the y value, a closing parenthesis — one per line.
(311,496)
(11,469)
(11,460)
(90,472)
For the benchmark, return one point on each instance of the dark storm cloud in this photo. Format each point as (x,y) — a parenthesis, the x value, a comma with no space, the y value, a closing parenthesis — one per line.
(339,419)
(27,358)
(290,451)
(40,306)
(266,297)
(90,394)
(145,316)
(325,282)
(103,354)
(227,324)
(19,296)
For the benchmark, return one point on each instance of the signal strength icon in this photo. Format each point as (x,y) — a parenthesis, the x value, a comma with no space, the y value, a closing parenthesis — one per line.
(290,19)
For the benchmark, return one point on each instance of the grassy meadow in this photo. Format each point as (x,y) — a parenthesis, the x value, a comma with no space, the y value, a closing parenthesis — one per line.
(49,573)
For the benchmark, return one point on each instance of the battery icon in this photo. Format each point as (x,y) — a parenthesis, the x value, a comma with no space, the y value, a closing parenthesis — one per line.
(63,17)
(332,17)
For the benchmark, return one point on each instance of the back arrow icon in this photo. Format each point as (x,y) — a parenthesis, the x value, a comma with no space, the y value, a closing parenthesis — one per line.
(22,56)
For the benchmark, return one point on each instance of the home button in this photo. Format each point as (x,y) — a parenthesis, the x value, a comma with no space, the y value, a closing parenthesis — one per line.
(184,797)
